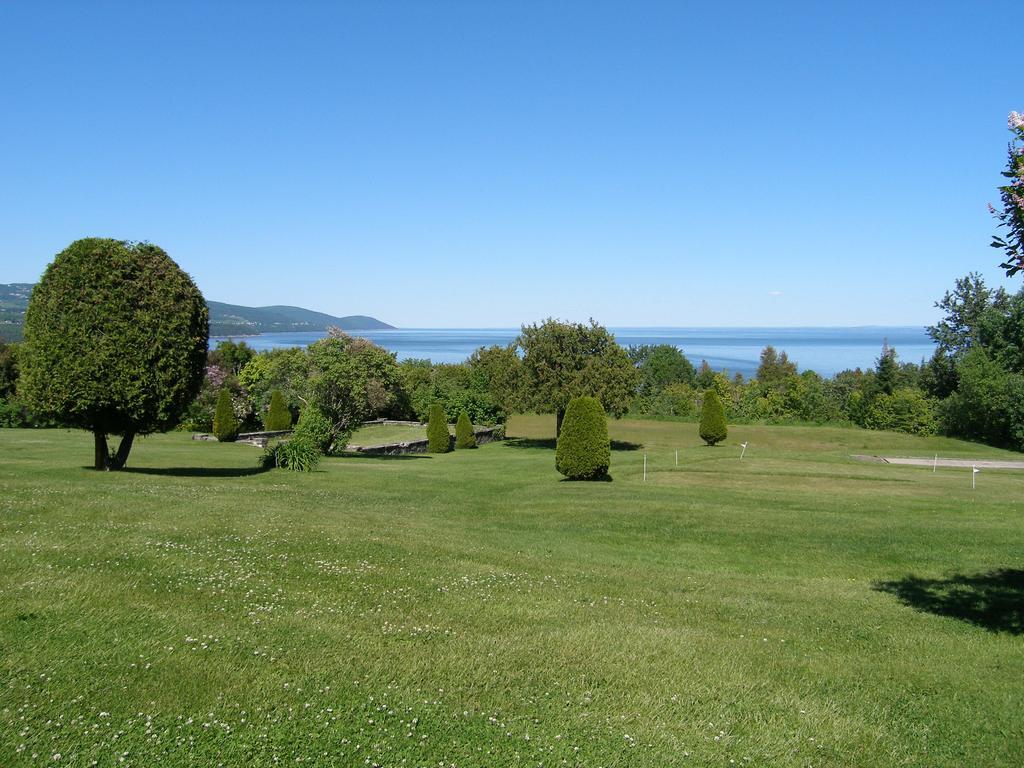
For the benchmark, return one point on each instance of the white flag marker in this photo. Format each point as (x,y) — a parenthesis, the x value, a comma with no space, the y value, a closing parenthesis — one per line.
(744,446)
(974,474)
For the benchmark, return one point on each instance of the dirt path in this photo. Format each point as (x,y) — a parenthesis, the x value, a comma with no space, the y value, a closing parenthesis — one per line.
(979,463)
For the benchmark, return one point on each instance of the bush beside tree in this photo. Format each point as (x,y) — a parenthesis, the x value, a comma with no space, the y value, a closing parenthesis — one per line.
(584,449)
(439,440)
(314,428)
(712,419)
(225,423)
(562,361)
(464,435)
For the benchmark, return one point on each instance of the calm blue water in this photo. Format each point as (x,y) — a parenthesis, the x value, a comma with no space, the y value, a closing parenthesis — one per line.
(825,350)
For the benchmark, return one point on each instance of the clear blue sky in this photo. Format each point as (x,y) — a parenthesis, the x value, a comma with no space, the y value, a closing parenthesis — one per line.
(488,164)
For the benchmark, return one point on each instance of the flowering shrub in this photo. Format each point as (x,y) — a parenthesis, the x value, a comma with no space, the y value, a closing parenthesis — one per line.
(1012,215)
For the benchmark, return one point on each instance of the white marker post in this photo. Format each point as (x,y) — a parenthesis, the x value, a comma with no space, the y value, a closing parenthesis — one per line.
(744,445)
(677,457)
(935,463)
(645,466)
(974,475)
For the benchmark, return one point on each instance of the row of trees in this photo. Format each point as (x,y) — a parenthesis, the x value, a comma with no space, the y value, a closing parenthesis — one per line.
(970,388)
(351,379)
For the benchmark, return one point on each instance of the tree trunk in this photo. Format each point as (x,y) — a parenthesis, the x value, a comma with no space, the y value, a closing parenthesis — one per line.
(559,416)
(102,456)
(123,450)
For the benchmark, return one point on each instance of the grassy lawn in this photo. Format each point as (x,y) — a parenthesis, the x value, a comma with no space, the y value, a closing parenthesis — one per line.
(383,434)
(793,608)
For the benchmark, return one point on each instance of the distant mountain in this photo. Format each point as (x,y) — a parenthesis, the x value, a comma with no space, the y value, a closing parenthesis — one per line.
(225,319)
(13,300)
(232,320)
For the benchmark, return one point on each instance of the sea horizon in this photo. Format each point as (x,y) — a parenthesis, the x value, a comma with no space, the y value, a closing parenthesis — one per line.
(826,350)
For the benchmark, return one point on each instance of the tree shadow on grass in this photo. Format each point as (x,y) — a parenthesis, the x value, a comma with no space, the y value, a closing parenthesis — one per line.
(992,600)
(196,471)
(550,443)
(384,456)
(530,442)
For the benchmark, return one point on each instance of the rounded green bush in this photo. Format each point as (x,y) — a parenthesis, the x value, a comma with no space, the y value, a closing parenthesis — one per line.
(278,416)
(712,419)
(464,435)
(584,450)
(906,410)
(225,423)
(439,440)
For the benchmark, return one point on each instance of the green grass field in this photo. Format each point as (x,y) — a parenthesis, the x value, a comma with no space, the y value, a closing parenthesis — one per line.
(794,608)
(387,433)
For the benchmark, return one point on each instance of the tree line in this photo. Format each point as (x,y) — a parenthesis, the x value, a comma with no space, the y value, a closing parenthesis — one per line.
(972,387)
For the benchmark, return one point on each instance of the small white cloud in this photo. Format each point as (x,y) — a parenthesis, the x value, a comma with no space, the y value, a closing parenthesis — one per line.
(774,293)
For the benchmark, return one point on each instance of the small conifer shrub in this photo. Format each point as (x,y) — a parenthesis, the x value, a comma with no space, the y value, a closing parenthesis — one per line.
(584,450)
(439,440)
(278,416)
(225,423)
(464,435)
(712,419)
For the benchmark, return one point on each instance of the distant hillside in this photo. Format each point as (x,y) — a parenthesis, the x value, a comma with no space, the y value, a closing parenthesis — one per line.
(231,320)
(13,300)
(225,319)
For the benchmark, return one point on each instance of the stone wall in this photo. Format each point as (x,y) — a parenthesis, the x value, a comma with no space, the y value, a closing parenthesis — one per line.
(259,439)
(483,435)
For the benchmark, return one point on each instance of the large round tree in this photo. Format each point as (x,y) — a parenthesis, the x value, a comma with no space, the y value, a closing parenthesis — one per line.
(115,342)
(566,360)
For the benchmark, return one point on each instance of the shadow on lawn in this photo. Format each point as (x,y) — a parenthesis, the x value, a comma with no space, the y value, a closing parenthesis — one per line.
(551,444)
(383,456)
(196,471)
(993,600)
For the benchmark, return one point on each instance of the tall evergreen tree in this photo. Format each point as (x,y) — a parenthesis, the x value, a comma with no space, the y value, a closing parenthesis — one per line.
(464,435)
(439,439)
(886,371)
(584,449)
(775,368)
(225,423)
(278,416)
